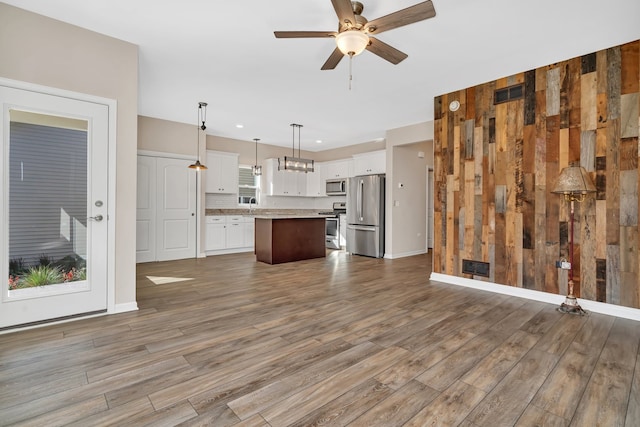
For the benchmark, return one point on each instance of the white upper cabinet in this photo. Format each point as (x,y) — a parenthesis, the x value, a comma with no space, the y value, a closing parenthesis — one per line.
(283,183)
(316,181)
(339,168)
(373,162)
(222,172)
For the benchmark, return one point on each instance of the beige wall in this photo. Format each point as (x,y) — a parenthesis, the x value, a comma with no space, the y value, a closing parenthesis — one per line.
(406,223)
(168,137)
(47,52)
(344,152)
(247,149)
(180,138)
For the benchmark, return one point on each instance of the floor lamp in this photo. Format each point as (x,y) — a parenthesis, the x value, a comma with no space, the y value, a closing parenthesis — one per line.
(574,184)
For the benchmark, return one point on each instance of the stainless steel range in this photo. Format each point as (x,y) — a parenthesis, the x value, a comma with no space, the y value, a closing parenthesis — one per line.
(332,230)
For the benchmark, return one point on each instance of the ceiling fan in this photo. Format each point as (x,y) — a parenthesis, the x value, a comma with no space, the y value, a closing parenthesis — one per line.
(355,32)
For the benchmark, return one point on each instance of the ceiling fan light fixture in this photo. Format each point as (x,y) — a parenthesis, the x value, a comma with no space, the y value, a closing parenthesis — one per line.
(352,42)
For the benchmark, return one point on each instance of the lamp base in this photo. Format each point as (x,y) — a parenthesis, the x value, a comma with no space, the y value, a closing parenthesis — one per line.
(571,306)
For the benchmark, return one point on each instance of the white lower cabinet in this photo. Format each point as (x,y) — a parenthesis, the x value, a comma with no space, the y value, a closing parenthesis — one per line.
(215,233)
(228,234)
(235,232)
(249,233)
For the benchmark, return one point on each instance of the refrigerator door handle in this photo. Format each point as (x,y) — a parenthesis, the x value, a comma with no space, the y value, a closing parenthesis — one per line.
(361,227)
(360,201)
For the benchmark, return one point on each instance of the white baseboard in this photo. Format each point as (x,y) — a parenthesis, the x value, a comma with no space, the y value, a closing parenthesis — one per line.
(588,305)
(123,308)
(405,254)
(228,251)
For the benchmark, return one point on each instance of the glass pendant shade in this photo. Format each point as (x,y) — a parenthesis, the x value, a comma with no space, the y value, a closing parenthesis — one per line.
(197,166)
(352,42)
(295,164)
(574,181)
(256,169)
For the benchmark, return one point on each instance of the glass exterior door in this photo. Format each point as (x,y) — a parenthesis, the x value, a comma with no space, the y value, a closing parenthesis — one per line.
(54,243)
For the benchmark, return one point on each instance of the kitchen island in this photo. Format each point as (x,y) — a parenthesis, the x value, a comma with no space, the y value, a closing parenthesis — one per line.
(286,238)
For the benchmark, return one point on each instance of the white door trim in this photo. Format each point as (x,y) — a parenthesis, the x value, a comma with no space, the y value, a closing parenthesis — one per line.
(112,106)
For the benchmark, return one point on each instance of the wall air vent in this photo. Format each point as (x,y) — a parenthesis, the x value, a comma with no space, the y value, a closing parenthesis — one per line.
(477,268)
(507,94)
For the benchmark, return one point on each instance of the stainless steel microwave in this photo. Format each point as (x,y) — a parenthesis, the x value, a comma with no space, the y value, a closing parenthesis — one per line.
(336,187)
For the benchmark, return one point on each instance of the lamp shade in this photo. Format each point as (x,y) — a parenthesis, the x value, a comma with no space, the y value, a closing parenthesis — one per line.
(197,166)
(574,180)
(352,42)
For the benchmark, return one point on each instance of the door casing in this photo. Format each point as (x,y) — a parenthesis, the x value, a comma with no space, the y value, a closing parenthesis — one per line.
(111,179)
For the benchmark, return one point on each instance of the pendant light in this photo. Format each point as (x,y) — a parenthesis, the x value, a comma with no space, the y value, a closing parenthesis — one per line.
(293,163)
(202,117)
(256,169)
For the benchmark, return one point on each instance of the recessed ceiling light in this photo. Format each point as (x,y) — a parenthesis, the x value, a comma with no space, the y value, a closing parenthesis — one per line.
(239,125)
(318,141)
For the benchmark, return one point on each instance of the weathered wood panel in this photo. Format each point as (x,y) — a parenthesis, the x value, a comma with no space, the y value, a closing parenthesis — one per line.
(588,104)
(502,161)
(630,68)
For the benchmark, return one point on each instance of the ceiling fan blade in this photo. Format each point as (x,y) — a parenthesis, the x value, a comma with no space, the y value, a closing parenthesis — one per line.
(303,34)
(385,51)
(344,11)
(411,14)
(333,60)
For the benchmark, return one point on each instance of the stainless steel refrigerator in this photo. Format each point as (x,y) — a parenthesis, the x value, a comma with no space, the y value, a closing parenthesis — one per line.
(365,215)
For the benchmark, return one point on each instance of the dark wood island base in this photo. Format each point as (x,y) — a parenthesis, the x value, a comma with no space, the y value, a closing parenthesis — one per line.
(286,239)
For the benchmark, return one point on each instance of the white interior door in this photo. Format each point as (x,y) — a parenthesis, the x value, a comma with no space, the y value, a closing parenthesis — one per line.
(176,209)
(54,175)
(146,210)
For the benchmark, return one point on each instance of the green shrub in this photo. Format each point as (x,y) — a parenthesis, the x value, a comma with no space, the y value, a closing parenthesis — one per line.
(41,275)
(16,266)
(45,260)
(70,262)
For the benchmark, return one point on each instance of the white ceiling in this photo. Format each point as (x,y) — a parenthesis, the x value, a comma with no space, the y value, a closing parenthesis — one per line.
(225,53)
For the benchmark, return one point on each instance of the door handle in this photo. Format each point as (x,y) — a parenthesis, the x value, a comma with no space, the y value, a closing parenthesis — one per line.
(97,218)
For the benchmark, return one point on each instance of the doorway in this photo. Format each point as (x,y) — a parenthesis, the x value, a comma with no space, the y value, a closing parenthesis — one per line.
(55,175)
(166,221)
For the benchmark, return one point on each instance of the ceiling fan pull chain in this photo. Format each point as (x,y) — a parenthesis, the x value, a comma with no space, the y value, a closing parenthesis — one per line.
(350,69)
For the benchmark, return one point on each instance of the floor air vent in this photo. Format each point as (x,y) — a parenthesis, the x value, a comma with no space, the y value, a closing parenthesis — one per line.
(477,268)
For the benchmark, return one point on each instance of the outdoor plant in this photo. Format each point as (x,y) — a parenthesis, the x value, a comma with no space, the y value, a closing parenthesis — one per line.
(45,260)
(70,268)
(41,275)
(16,266)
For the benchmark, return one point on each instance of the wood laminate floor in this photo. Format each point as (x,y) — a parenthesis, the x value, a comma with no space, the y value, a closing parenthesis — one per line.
(345,340)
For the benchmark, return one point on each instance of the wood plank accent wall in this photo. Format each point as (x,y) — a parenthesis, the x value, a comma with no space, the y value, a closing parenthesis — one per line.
(495,167)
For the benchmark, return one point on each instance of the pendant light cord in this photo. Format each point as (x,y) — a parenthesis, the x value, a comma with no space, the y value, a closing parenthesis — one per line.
(299,126)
